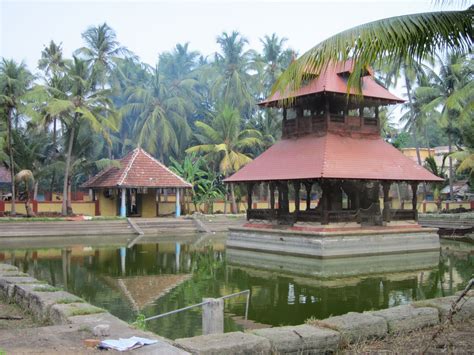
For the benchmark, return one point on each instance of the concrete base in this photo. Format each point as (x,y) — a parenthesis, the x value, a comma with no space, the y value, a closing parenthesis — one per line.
(335,244)
(310,267)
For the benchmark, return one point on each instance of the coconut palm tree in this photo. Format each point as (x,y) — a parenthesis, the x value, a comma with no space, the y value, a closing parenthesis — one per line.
(161,114)
(102,51)
(15,80)
(385,40)
(225,144)
(275,58)
(451,90)
(81,105)
(233,82)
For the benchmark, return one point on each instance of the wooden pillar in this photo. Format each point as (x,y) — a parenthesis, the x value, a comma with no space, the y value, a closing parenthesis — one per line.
(296,186)
(414,189)
(308,186)
(280,195)
(249,196)
(272,196)
(386,202)
(325,203)
(286,199)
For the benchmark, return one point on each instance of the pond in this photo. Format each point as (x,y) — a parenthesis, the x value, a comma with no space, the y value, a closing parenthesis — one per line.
(154,278)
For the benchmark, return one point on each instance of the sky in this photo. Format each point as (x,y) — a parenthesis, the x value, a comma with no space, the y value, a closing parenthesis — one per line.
(152,26)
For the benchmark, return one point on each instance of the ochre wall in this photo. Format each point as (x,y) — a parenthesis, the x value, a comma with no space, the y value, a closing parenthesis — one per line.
(149,204)
(108,206)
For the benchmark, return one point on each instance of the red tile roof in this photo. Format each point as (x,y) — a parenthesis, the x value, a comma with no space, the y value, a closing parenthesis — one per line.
(137,169)
(5,176)
(333,80)
(332,156)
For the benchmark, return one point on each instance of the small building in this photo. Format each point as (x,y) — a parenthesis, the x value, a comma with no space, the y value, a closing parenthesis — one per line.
(332,139)
(424,153)
(133,188)
(5,183)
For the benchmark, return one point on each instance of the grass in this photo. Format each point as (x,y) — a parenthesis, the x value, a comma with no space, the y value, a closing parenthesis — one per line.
(68,300)
(47,288)
(36,282)
(140,322)
(85,311)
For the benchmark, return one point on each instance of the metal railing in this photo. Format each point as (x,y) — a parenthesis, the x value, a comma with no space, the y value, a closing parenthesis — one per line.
(206,302)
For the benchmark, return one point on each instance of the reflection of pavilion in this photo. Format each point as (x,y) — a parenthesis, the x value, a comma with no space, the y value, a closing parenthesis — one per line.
(142,291)
(311,268)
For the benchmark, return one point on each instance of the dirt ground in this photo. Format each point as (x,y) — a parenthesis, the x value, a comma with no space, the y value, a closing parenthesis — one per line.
(25,336)
(455,339)
(13,311)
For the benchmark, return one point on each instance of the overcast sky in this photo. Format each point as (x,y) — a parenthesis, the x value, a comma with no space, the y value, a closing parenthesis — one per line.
(151,27)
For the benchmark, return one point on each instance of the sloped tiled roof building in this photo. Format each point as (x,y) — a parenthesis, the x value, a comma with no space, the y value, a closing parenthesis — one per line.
(135,183)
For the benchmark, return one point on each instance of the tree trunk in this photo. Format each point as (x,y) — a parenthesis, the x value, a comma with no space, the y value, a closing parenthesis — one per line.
(64,209)
(414,127)
(232,197)
(10,156)
(69,196)
(29,210)
(450,160)
(35,191)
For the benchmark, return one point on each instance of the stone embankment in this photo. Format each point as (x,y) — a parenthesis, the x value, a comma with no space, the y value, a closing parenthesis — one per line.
(53,306)
(187,225)
(328,335)
(317,336)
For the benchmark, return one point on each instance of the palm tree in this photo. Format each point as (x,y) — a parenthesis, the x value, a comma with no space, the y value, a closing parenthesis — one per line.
(275,58)
(452,91)
(224,142)
(81,105)
(232,84)
(160,113)
(385,40)
(15,80)
(102,51)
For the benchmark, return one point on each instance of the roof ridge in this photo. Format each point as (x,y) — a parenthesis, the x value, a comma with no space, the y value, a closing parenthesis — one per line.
(129,166)
(165,167)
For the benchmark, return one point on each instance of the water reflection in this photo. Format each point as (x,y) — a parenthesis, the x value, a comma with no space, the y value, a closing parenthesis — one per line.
(160,277)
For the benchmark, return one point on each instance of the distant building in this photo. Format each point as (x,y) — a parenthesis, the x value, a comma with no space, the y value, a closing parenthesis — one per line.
(424,153)
(5,182)
(133,187)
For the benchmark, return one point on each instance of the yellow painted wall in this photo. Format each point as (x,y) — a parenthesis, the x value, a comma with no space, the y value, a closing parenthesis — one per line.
(85,208)
(149,204)
(50,207)
(107,206)
(19,207)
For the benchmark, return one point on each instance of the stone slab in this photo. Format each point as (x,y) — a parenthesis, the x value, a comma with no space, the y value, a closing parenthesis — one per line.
(60,313)
(301,339)
(237,343)
(443,305)
(357,326)
(407,318)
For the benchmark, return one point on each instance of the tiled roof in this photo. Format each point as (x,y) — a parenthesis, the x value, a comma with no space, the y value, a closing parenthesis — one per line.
(332,156)
(137,169)
(333,80)
(5,175)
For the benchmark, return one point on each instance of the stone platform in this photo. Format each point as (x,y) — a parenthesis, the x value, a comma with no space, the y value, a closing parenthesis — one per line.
(334,240)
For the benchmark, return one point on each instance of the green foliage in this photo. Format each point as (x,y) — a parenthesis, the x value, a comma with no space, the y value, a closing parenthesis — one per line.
(47,288)
(140,322)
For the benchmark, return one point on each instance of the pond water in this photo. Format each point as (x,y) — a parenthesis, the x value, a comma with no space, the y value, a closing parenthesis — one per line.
(155,278)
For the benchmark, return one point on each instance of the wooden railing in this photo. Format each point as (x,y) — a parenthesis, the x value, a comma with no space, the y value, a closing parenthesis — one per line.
(304,125)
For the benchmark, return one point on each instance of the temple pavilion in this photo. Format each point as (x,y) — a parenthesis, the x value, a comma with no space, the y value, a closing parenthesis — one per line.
(332,139)
(133,188)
